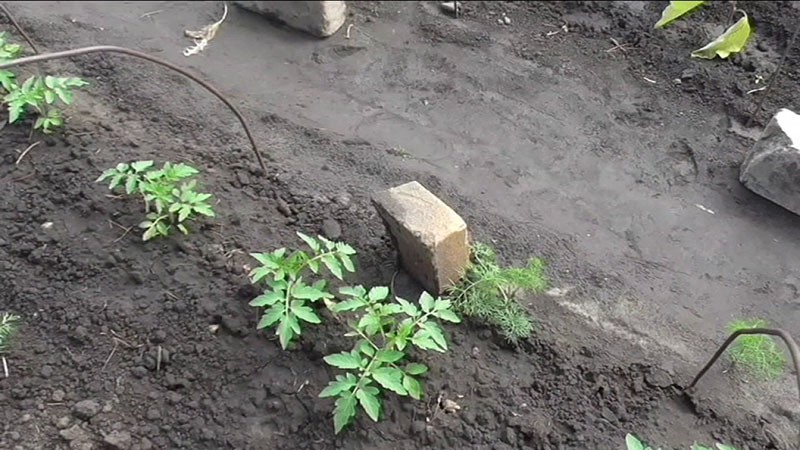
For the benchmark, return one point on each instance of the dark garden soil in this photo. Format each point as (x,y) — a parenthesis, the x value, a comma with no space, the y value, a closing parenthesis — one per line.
(155,342)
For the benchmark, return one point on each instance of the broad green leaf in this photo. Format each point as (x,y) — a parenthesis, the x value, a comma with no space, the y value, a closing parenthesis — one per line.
(676,10)
(333,265)
(342,384)
(305,313)
(378,293)
(390,356)
(366,348)
(733,40)
(437,334)
(448,315)
(391,379)
(311,242)
(307,292)
(349,305)
(291,319)
(285,332)
(345,249)
(267,259)
(724,447)
(344,412)
(140,166)
(632,443)
(271,316)
(413,387)
(329,245)
(408,307)
(130,185)
(267,299)
(343,360)
(426,302)
(347,262)
(49,97)
(7,80)
(370,403)
(183,228)
(259,273)
(416,369)
(204,210)
(184,212)
(353,291)
(370,324)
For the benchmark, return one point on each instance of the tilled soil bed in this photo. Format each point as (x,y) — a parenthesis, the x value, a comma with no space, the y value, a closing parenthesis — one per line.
(138,345)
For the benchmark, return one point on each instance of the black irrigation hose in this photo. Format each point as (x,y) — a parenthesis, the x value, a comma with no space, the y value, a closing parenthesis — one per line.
(794,351)
(138,54)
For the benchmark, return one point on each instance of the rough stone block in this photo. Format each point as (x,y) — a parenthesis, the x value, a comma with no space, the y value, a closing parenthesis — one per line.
(772,169)
(431,238)
(322,19)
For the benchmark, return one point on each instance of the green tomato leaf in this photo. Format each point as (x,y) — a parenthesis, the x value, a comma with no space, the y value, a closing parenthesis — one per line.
(448,316)
(390,356)
(409,308)
(344,412)
(345,249)
(271,316)
(307,292)
(733,40)
(305,313)
(183,228)
(378,293)
(632,443)
(370,324)
(285,332)
(436,334)
(141,166)
(340,385)
(204,210)
(333,266)
(353,291)
(370,404)
(267,299)
(311,242)
(348,305)
(391,379)
(413,387)
(724,447)
(426,302)
(366,348)
(676,10)
(343,360)
(415,369)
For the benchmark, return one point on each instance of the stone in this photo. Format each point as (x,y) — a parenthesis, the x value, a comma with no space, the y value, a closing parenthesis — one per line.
(430,237)
(772,169)
(75,433)
(331,229)
(86,409)
(120,440)
(321,19)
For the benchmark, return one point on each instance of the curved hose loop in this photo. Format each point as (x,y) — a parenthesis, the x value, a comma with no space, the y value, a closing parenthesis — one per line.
(145,56)
(794,351)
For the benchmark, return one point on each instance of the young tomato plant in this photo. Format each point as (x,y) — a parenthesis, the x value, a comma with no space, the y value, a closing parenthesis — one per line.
(169,194)
(287,295)
(378,361)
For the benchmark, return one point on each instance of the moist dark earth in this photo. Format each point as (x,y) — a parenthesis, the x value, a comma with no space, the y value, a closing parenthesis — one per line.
(136,345)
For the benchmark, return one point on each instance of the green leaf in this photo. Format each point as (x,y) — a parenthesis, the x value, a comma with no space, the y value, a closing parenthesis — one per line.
(390,356)
(378,293)
(370,403)
(183,228)
(353,291)
(409,308)
(307,292)
(344,412)
(733,40)
(271,316)
(676,10)
(267,299)
(347,262)
(366,348)
(413,387)
(332,264)
(391,379)
(285,332)
(369,323)
(49,97)
(344,360)
(426,302)
(348,305)
(448,316)
(7,80)
(345,249)
(416,369)
(342,384)
(632,443)
(436,334)
(424,339)
(141,166)
(305,313)
(311,242)
(724,447)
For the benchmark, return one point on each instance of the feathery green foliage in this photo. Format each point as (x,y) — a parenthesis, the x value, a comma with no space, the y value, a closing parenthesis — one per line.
(758,354)
(9,323)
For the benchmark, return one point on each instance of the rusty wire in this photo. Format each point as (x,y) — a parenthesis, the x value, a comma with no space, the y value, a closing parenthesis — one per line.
(794,352)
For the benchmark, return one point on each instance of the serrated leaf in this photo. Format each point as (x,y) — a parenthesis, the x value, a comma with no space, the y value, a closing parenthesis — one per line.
(378,293)
(340,385)
(413,387)
(343,360)
(415,368)
(307,292)
(408,307)
(306,314)
(271,316)
(390,356)
(291,319)
(426,302)
(345,249)
(267,299)
(448,315)
(204,210)
(333,266)
(348,305)
(370,404)
(353,291)
(676,10)
(259,273)
(391,379)
(313,264)
(366,348)
(347,262)
(285,332)
(724,447)
(633,443)
(733,40)
(140,166)
(437,334)
(344,412)
(370,324)
(311,242)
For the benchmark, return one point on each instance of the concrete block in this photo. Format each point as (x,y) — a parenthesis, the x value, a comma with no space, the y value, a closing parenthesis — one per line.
(321,19)
(431,238)
(772,169)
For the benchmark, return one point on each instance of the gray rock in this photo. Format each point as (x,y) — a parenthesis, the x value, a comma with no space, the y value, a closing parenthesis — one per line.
(86,409)
(321,19)
(331,229)
(772,169)
(118,440)
(75,433)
